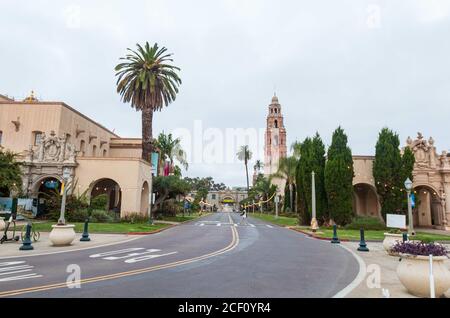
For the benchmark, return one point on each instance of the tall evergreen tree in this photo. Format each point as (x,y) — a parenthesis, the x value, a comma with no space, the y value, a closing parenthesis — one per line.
(312,158)
(390,170)
(318,166)
(303,183)
(339,178)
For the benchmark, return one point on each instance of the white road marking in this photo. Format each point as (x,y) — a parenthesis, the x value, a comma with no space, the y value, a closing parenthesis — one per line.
(16,267)
(252,225)
(235,224)
(218,224)
(13,268)
(269,226)
(15,272)
(26,276)
(132,249)
(147,257)
(359,277)
(114,258)
(11,263)
(202,224)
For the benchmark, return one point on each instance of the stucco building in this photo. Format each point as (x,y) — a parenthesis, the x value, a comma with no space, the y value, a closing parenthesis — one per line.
(53,138)
(431,185)
(431,174)
(224,198)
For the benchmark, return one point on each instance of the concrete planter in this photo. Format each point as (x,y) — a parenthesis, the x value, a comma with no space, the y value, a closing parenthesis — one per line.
(413,272)
(62,235)
(390,240)
(2,224)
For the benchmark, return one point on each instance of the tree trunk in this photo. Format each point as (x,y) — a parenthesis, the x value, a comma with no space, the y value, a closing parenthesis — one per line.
(147,136)
(246,171)
(291,199)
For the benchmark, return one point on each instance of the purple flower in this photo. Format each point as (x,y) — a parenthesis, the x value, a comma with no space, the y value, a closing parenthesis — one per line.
(420,248)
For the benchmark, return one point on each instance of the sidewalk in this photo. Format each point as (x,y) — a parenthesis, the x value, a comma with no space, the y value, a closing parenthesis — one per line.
(43,246)
(388,268)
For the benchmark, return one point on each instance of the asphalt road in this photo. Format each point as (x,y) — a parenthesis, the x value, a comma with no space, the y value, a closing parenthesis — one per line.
(209,257)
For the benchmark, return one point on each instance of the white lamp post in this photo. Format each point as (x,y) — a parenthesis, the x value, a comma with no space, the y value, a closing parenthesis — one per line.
(408,187)
(314,224)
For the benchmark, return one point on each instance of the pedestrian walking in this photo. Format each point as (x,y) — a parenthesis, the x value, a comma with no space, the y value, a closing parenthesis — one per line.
(244,217)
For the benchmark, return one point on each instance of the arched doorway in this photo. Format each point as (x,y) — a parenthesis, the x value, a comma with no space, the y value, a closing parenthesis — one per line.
(145,195)
(428,209)
(47,190)
(228,204)
(365,201)
(110,189)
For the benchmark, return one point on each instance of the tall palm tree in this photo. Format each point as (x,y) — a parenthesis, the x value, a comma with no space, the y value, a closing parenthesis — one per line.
(245,155)
(170,149)
(287,168)
(258,166)
(147,81)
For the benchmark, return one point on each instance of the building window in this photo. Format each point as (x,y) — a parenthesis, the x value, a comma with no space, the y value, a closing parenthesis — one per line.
(213,196)
(94,150)
(104,152)
(68,136)
(82,147)
(276,123)
(1,135)
(37,138)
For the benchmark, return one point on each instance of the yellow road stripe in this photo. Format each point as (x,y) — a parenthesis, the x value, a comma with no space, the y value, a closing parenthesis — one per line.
(231,246)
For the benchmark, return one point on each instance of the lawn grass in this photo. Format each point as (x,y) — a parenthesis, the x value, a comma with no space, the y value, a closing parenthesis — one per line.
(181,218)
(281,220)
(118,228)
(373,235)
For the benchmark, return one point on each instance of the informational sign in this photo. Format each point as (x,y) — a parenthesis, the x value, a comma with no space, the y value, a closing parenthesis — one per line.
(155,161)
(66,173)
(413,200)
(396,221)
(277,199)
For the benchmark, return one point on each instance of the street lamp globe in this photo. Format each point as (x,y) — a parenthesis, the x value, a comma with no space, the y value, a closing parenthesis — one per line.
(408,184)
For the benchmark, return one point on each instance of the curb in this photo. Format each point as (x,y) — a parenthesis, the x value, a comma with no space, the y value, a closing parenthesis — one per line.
(165,228)
(318,237)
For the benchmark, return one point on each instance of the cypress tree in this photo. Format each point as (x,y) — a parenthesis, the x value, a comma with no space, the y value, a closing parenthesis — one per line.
(312,158)
(339,178)
(390,170)
(318,166)
(303,184)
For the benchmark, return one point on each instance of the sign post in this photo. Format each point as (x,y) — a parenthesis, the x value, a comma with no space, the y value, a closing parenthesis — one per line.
(277,200)
(66,177)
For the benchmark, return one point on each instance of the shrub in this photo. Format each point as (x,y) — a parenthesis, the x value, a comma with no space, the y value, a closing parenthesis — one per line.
(420,248)
(135,218)
(99,202)
(366,223)
(101,216)
(76,215)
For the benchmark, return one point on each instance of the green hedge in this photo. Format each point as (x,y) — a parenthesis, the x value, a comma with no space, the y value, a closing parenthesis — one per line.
(366,223)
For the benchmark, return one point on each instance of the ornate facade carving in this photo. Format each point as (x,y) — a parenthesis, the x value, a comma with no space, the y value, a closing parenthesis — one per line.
(433,171)
(48,159)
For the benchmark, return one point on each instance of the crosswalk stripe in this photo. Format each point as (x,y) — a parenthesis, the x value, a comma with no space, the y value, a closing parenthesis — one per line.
(269,226)
(12,263)
(15,272)
(202,224)
(26,276)
(13,268)
(218,224)
(252,225)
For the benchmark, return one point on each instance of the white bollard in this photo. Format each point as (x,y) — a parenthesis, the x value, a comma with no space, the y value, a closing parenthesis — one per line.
(432,292)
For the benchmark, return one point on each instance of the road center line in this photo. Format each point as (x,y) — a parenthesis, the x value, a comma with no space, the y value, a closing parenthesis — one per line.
(234,242)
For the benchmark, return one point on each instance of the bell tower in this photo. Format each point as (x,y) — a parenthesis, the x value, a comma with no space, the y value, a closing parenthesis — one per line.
(275,138)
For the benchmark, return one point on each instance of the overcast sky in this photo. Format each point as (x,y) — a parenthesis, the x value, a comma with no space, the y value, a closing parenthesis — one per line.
(359,64)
